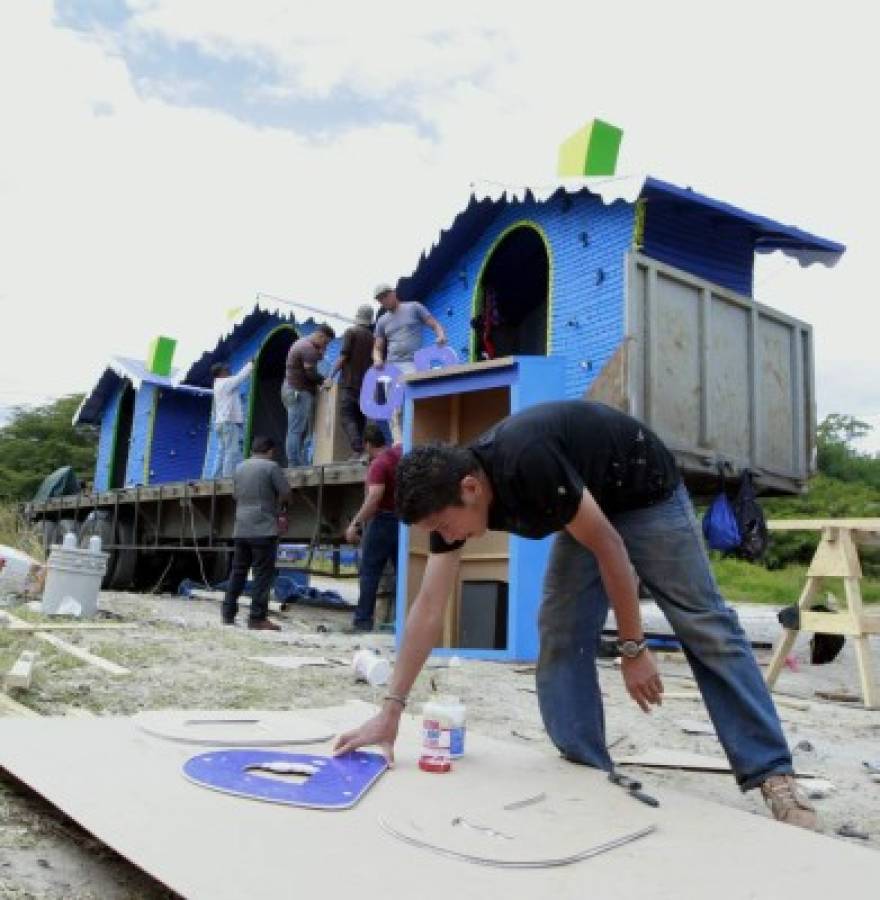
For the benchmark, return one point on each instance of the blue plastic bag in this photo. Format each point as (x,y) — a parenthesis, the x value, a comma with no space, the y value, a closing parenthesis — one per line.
(720,527)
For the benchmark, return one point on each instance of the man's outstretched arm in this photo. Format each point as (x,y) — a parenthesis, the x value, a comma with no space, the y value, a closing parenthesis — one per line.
(591,528)
(423,628)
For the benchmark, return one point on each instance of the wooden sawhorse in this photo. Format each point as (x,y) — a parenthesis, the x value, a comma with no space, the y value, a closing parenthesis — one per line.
(836,556)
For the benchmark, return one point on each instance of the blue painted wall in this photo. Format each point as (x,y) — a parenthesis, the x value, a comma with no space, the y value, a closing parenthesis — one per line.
(105,439)
(180,436)
(721,250)
(587,293)
(137,472)
(246,351)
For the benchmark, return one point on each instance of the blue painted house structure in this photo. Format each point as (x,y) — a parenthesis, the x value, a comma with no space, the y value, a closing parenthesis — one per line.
(151,429)
(559,274)
(265,336)
(558,265)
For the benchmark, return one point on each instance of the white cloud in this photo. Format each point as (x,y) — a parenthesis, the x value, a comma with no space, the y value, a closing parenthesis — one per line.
(122,216)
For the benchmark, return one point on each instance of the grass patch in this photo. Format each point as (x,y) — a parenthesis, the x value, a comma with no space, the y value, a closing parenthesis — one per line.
(14,532)
(743,582)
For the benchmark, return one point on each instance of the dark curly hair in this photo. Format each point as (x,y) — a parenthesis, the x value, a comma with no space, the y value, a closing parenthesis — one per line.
(429,479)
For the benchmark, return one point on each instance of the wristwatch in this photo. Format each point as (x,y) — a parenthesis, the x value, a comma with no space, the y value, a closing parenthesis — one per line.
(631,649)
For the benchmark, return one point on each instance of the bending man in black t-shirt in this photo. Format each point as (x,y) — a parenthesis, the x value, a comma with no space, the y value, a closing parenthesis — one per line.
(611,490)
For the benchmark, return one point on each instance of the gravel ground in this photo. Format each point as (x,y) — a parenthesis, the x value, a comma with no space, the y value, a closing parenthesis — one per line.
(180,656)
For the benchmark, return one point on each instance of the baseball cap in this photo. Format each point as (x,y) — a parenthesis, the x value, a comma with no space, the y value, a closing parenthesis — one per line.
(364,314)
(382,288)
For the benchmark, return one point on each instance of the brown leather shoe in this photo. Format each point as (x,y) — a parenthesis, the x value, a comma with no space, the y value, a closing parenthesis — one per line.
(264,625)
(782,794)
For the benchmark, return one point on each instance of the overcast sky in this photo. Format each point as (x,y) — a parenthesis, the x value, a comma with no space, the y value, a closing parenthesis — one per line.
(162,161)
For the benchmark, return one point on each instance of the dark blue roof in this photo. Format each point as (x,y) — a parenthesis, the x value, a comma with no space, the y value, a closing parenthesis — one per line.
(200,371)
(435,264)
(769,235)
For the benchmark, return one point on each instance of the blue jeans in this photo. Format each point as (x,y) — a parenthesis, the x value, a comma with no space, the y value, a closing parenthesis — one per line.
(665,546)
(379,546)
(229,438)
(300,405)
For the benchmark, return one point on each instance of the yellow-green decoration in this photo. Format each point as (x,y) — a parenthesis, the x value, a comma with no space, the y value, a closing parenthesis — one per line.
(160,354)
(591,150)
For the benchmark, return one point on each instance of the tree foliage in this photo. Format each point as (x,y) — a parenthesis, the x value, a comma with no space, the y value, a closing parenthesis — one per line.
(38,440)
(847,487)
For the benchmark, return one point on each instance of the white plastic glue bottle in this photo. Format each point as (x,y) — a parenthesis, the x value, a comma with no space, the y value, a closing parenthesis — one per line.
(443,728)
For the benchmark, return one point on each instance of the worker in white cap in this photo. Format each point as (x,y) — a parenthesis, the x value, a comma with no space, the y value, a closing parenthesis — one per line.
(398,336)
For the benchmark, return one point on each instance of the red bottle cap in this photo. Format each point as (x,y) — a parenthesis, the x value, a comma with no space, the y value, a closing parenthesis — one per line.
(435,763)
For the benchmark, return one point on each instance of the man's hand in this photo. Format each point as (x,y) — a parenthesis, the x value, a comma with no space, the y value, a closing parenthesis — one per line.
(352,534)
(642,681)
(380,731)
(378,364)
(441,340)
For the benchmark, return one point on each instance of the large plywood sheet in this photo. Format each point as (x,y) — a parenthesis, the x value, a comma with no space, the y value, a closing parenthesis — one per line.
(129,792)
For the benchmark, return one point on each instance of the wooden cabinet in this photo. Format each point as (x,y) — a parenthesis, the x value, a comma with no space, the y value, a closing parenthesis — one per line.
(456,405)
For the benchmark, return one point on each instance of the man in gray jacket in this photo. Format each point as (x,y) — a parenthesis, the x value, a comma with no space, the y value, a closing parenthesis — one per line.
(261,490)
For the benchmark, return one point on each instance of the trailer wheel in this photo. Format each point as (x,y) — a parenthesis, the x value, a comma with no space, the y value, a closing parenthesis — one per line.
(217,565)
(122,566)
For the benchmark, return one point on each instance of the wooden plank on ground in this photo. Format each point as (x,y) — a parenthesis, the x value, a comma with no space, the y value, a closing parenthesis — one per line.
(97,661)
(72,649)
(30,627)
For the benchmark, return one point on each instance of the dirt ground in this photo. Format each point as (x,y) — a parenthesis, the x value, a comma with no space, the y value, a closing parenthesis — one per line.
(181,656)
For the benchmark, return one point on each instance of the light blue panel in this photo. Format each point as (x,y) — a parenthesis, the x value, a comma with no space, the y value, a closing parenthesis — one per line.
(532,380)
(588,246)
(105,438)
(136,471)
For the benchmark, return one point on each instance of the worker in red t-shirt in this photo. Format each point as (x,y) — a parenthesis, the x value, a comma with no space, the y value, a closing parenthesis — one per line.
(377,513)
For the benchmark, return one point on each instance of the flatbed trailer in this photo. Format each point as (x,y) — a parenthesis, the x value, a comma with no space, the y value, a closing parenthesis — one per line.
(188,524)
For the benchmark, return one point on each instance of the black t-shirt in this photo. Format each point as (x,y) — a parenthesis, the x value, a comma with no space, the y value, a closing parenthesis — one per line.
(357,348)
(540,460)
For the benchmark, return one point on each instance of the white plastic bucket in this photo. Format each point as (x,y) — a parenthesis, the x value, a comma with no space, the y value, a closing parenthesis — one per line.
(73,580)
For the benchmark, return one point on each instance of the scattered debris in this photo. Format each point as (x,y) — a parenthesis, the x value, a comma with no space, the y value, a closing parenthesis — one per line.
(850,831)
(696,726)
(819,788)
(805,746)
(291,662)
(520,735)
(22,671)
(528,801)
(838,696)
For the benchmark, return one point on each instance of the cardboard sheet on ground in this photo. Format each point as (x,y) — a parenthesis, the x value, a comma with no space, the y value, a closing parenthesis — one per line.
(130,793)
(232,727)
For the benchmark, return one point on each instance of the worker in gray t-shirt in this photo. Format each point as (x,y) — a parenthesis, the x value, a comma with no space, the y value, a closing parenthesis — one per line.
(261,493)
(397,337)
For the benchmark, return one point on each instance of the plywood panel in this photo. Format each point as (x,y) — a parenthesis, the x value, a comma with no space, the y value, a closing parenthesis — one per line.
(480,410)
(331,444)
(129,792)
(432,419)
(728,380)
